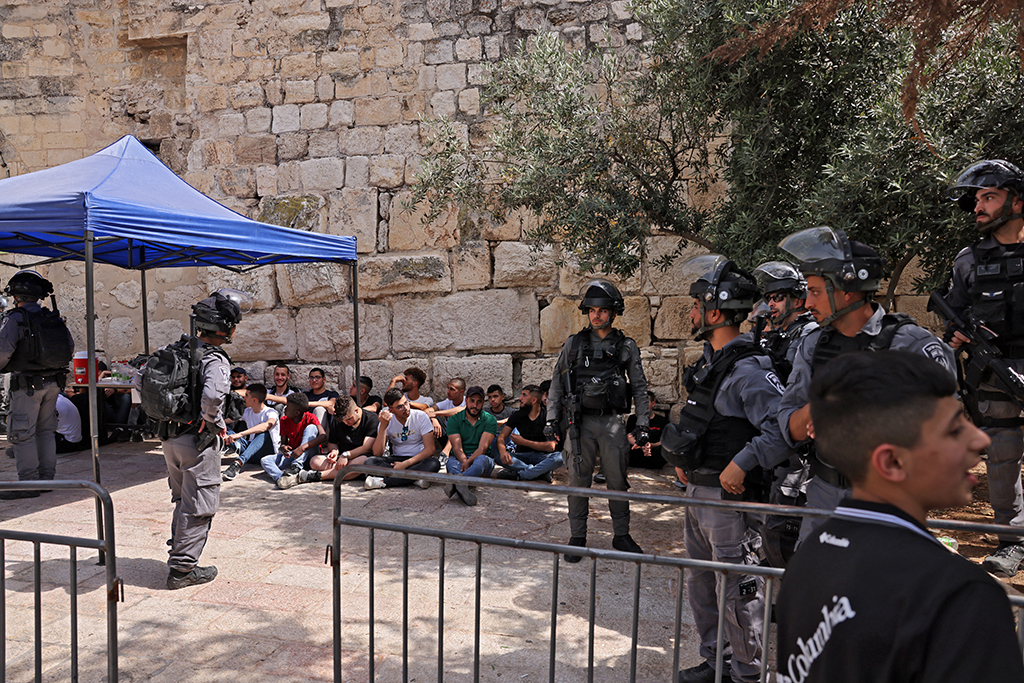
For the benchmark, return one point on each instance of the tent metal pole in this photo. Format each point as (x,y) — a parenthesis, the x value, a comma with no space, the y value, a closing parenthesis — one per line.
(355,322)
(90,341)
(145,314)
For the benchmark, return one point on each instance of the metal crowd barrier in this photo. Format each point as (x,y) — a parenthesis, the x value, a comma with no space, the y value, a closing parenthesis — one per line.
(107,557)
(771,575)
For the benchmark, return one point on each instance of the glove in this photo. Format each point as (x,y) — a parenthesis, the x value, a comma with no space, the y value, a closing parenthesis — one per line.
(549,430)
(641,436)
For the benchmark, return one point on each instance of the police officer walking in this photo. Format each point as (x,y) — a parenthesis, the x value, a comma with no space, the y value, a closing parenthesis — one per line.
(987,286)
(727,441)
(842,277)
(36,348)
(192,449)
(596,377)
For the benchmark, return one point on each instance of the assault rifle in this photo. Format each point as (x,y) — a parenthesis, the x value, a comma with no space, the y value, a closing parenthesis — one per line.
(982,355)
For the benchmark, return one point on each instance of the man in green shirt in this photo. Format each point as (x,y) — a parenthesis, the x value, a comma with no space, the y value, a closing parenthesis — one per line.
(470,433)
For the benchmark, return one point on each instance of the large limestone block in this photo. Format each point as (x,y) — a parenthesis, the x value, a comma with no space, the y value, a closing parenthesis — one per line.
(269,336)
(301,284)
(124,338)
(496,319)
(424,272)
(661,372)
(128,293)
(472,265)
(408,232)
(353,211)
(673,321)
(571,279)
(260,284)
(674,280)
(301,211)
(518,264)
(325,332)
(535,371)
(557,321)
(481,370)
(636,321)
(381,372)
(181,298)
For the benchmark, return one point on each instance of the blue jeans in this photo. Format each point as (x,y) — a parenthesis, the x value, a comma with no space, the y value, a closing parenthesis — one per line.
(530,464)
(257,444)
(275,463)
(480,467)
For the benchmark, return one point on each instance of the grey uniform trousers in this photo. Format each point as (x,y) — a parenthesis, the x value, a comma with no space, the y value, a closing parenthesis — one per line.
(31,425)
(725,536)
(1003,466)
(604,437)
(194,479)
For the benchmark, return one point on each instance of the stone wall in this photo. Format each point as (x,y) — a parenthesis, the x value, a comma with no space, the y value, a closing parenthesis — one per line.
(307,113)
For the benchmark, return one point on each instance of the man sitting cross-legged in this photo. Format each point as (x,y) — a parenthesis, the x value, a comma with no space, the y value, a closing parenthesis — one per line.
(261,439)
(350,441)
(412,443)
(470,434)
(535,456)
(301,436)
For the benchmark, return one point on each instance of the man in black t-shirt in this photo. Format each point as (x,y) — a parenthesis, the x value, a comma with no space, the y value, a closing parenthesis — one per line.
(349,441)
(322,401)
(535,456)
(871,595)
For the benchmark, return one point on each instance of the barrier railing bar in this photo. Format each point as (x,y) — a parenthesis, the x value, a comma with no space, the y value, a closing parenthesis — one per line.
(37,589)
(336,581)
(405,607)
(769,593)
(679,621)
(476,609)
(74,613)
(636,624)
(593,618)
(440,613)
(373,592)
(50,539)
(720,647)
(554,619)
(3,611)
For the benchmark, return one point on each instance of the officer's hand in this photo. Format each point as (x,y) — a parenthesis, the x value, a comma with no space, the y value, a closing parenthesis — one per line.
(959,339)
(549,430)
(642,436)
(732,478)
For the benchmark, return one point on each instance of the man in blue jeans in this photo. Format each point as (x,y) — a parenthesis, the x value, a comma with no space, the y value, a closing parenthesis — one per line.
(262,437)
(470,434)
(301,436)
(535,455)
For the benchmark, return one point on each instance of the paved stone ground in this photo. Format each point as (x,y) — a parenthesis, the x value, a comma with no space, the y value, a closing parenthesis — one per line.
(268,615)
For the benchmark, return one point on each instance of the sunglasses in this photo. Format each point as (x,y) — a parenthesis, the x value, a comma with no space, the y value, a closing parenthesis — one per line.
(405,433)
(776,298)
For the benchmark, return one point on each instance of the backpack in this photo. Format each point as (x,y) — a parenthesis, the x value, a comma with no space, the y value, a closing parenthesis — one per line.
(170,386)
(44,345)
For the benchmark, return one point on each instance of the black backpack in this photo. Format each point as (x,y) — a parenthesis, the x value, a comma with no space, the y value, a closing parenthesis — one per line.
(170,386)
(44,345)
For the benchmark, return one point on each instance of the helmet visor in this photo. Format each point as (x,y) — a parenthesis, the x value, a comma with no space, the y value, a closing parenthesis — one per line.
(773,271)
(238,297)
(704,267)
(815,244)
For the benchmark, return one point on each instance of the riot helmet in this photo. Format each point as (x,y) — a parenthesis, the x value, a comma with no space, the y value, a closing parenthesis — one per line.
(779,277)
(987,174)
(219,313)
(28,284)
(720,286)
(844,264)
(599,293)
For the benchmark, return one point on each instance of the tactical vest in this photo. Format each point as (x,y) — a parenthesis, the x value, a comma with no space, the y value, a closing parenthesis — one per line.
(717,438)
(778,342)
(45,347)
(832,343)
(599,372)
(997,295)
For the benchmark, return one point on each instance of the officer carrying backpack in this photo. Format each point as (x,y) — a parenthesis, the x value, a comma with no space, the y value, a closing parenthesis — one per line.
(44,344)
(168,383)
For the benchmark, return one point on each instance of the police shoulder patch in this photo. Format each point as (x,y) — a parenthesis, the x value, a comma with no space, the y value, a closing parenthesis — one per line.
(935,351)
(774,380)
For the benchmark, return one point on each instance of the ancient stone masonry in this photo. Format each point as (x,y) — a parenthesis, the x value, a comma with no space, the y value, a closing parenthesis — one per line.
(307,113)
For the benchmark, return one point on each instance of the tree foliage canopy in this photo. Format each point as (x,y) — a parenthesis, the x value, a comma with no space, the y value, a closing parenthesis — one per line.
(608,149)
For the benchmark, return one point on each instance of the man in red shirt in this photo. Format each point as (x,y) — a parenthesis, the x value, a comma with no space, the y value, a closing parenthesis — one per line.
(301,436)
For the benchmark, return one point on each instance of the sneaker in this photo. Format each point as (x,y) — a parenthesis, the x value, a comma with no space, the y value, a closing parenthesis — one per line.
(18,495)
(509,474)
(232,471)
(579,543)
(374,483)
(177,579)
(467,496)
(288,480)
(626,544)
(137,436)
(704,673)
(294,468)
(678,483)
(599,478)
(309,476)
(546,477)
(423,483)
(449,490)
(1005,561)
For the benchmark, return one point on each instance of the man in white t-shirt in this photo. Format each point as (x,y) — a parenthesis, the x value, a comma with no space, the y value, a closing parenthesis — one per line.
(411,381)
(69,426)
(262,435)
(412,443)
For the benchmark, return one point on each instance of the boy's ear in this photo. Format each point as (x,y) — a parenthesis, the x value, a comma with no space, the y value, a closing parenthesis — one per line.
(886,461)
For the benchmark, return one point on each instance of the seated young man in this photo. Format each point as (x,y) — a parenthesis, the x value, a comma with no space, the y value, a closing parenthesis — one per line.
(239,380)
(649,455)
(277,396)
(69,427)
(263,438)
(366,400)
(497,404)
(321,399)
(535,455)
(301,436)
(411,437)
(470,434)
(349,442)
(410,383)
(871,595)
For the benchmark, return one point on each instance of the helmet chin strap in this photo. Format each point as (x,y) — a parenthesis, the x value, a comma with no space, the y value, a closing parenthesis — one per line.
(787,311)
(1005,216)
(704,328)
(836,315)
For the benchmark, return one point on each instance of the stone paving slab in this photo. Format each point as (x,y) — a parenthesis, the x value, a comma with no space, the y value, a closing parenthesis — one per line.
(268,616)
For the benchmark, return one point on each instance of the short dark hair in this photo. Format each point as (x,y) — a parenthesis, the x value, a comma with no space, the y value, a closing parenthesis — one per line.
(393,396)
(862,400)
(320,370)
(534,390)
(363,379)
(299,400)
(343,406)
(458,382)
(258,390)
(495,387)
(284,367)
(416,374)
(545,386)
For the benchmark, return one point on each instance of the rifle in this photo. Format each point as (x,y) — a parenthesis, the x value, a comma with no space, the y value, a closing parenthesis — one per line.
(983,355)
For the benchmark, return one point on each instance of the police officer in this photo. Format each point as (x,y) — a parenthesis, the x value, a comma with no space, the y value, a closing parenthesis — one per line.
(987,284)
(727,441)
(842,276)
(192,456)
(35,347)
(597,375)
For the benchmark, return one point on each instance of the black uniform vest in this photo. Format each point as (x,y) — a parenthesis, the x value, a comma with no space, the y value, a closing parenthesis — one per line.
(997,295)
(831,343)
(599,374)
(45,346)
(778,342)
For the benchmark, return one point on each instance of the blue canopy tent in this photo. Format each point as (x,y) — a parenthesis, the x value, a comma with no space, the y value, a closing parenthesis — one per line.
(122,206)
